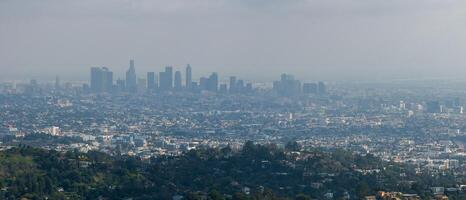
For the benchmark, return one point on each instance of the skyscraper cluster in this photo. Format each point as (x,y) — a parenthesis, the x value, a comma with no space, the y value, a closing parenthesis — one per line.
(209,83)
(288,86)
(237,86)
(167,80)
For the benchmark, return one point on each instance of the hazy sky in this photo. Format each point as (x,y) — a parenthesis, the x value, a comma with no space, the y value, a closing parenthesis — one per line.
(253,39)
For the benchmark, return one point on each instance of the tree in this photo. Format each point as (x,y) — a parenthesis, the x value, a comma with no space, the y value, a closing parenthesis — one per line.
(302,197)
(292,146)
(362,189)
(240,196)
(215,195)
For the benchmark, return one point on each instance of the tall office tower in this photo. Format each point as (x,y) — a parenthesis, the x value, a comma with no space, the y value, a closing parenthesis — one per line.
(310,88)
(166,79)
(108,80)
(212,83)
(162,81)
(169,73)
(156,81)
(321,88)
(151,81)
(101,80)
(232,84)
(96,79)
(189,77)
(239,86)
(203,83)
(131,81)
(178,83)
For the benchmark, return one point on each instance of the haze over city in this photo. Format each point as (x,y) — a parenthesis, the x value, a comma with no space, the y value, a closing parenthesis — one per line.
(313,39)
(233,99)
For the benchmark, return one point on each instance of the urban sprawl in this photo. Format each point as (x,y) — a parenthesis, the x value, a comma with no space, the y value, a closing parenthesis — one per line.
(169,113)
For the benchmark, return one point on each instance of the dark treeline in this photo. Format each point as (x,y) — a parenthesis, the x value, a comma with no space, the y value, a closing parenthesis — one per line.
(255,172)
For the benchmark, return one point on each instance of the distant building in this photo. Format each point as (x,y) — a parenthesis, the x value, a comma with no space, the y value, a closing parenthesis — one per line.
(322,89)
(166,79)
(203,83)
(151,84)
(212,84)
(178,80)
(96,79)
(287,86)
(239,86)
(209,84)
(101,80)
(232,84)
(189,77)
(131,80)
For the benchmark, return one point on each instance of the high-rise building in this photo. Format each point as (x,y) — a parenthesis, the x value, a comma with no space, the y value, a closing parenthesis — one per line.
(131,80)
(232,84)
(178,80)
(212,83)
(96,79)
(162,81)
(151,81)
(189,77)
(239,86)
(101,80)
(203,83)
(321,88)
(169,72)
(166,79)
(108,78)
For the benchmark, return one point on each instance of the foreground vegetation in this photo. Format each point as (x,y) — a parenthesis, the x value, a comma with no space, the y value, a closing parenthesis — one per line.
(255,172)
